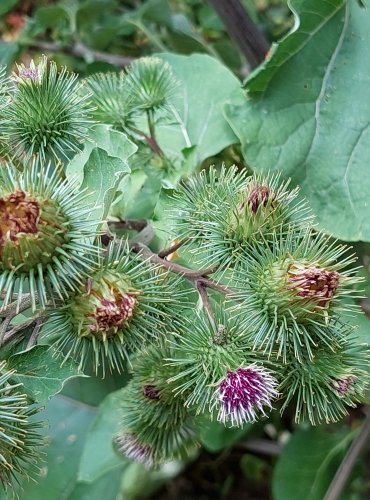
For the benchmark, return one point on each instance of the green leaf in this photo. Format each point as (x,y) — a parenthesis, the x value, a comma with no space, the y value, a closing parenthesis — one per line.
(102,167)
(307,113)
(102,176)
(69,422)
(6,5)
(107,486)
(113,142)
(51,16)
(214,436)
(98,456)
(308,463)
(8,52)
(205,87)
(40,372)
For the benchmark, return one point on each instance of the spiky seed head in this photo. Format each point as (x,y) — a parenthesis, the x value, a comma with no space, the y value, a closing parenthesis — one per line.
(19,439)
(204,351)
(106,308)
(110,99)
(289,290)
(150,83)
(244,393)
(158,420)
(130,446)
(223,213)
(124,302)
(261,207)
(43,234)
(48,114)
(321,389)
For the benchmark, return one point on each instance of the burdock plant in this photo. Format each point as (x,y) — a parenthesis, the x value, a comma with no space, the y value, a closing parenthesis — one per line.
(250,320)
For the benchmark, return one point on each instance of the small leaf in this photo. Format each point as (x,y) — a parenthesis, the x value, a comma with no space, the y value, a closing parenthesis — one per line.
(114,143)
(102,177)
(40,372)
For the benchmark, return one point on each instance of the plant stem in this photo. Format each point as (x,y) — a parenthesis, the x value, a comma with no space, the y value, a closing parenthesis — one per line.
(242,30)
(341,477)
(80,50)
(16,307)
(202,290)
(151,141)
(168,251)
(196,277)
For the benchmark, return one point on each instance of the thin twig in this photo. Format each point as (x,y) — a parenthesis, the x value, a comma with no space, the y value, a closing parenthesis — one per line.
(135,224)
(3,328)
(17,329)
(168,251)
(35,333)
(80,50)
(194,276)
(263,446)
(16,307)
(202,290)
(341,477)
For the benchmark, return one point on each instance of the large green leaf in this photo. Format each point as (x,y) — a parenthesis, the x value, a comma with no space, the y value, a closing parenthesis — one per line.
(307,111)
(40,372)
(69,421)
(205,85)
(98,456)
(308,463)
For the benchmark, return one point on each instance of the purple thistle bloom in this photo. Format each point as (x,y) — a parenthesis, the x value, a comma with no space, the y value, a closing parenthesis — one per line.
(344,385)
(31,73)
(150,391)
(243,392)
(129,445)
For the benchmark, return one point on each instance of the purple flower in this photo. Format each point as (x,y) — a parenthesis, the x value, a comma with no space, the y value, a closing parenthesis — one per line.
(244,391)
(130,446)
(31,73)
(259,195)
(151,391)
(344,385)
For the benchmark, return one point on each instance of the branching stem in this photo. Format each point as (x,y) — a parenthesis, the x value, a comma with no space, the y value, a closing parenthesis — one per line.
(197,277)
